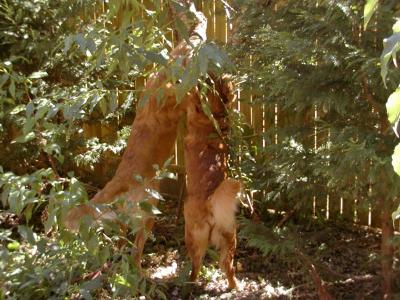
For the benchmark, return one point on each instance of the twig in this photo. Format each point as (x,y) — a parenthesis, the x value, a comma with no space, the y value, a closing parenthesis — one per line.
(286,217)
(322,291)
(181,196)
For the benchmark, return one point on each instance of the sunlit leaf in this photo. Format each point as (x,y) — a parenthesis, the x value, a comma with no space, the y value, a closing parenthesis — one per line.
(391,47)
(396,214)
(396,26)
(27,234)
(29,123)
(393,106)
(147,207)
(37,75)
(13,246)
(11,88)
(25,138)
(3,79)
(153,193)
(369,9)
(396,159)
(182,29)
(157,58)
(17,109)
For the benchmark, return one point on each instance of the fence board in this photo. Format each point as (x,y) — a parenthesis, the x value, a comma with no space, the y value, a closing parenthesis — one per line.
(209,12)
(220,22)
(362,209)
(334,206)
(348,209)
(263,119)
(257,124)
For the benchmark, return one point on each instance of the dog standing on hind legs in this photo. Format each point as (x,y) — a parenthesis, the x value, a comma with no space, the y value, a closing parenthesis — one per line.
(210,206)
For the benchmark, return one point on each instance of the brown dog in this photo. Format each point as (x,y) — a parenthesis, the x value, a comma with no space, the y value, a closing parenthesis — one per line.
(210,206)
(151,142)
(211,203)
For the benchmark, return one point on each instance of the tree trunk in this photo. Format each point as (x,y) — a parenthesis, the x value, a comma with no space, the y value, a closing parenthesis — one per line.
(387,250)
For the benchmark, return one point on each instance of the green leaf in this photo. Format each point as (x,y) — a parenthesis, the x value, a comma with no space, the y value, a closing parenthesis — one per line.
(391,46)
(27,234)
(396,26)
(103,106)
(11,88)
(13,246)
(93,244)
(68,43)
(94,101)
(396,159)
(206,109)
(91,45)
(3,79)
(37,75)
(393,106)
(157,58)
(153,193)
(369,9)
(80,40)
(25,138)
(16,110)
(29,123)
(30,108)
(182,29)
(147,207)
(92,284)
(142,287)
(396,214)
(113,105)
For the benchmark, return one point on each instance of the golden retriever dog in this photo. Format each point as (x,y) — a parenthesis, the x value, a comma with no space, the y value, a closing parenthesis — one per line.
(210,205)
(209,209)
(151,142)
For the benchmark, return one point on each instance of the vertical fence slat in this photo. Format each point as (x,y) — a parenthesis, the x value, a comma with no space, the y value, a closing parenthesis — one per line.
(209,12)
(220,22)
(348,210)
(257,123)
(334,206)
(362,212)
(261,118)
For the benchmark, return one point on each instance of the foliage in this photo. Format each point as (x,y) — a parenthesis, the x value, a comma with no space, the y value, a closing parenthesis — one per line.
(270,241)
(312,64)
(391,47)
(320,69)
(65,67)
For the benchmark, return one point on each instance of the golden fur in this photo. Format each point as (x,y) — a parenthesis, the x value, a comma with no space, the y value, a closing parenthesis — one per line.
(210,206)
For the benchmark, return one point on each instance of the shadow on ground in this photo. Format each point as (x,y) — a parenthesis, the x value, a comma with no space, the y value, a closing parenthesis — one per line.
(346,257)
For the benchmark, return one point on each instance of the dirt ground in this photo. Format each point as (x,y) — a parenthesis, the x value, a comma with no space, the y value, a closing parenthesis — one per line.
(346,258)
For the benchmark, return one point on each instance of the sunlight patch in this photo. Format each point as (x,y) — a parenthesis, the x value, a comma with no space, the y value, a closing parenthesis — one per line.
(165,271)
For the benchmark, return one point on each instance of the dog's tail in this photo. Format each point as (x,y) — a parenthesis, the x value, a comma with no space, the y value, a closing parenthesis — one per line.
(223,203)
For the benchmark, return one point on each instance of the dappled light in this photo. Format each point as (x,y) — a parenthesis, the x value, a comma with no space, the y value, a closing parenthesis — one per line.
(199,149)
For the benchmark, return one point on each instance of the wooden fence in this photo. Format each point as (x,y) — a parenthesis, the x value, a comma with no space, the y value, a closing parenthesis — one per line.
(220,29)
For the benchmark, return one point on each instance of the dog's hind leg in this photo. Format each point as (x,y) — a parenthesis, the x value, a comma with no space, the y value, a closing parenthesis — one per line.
(140,239)
(223,206)
(227,252)
(196,240)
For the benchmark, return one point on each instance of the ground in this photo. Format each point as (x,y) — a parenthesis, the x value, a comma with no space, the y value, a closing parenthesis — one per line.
(346,257)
